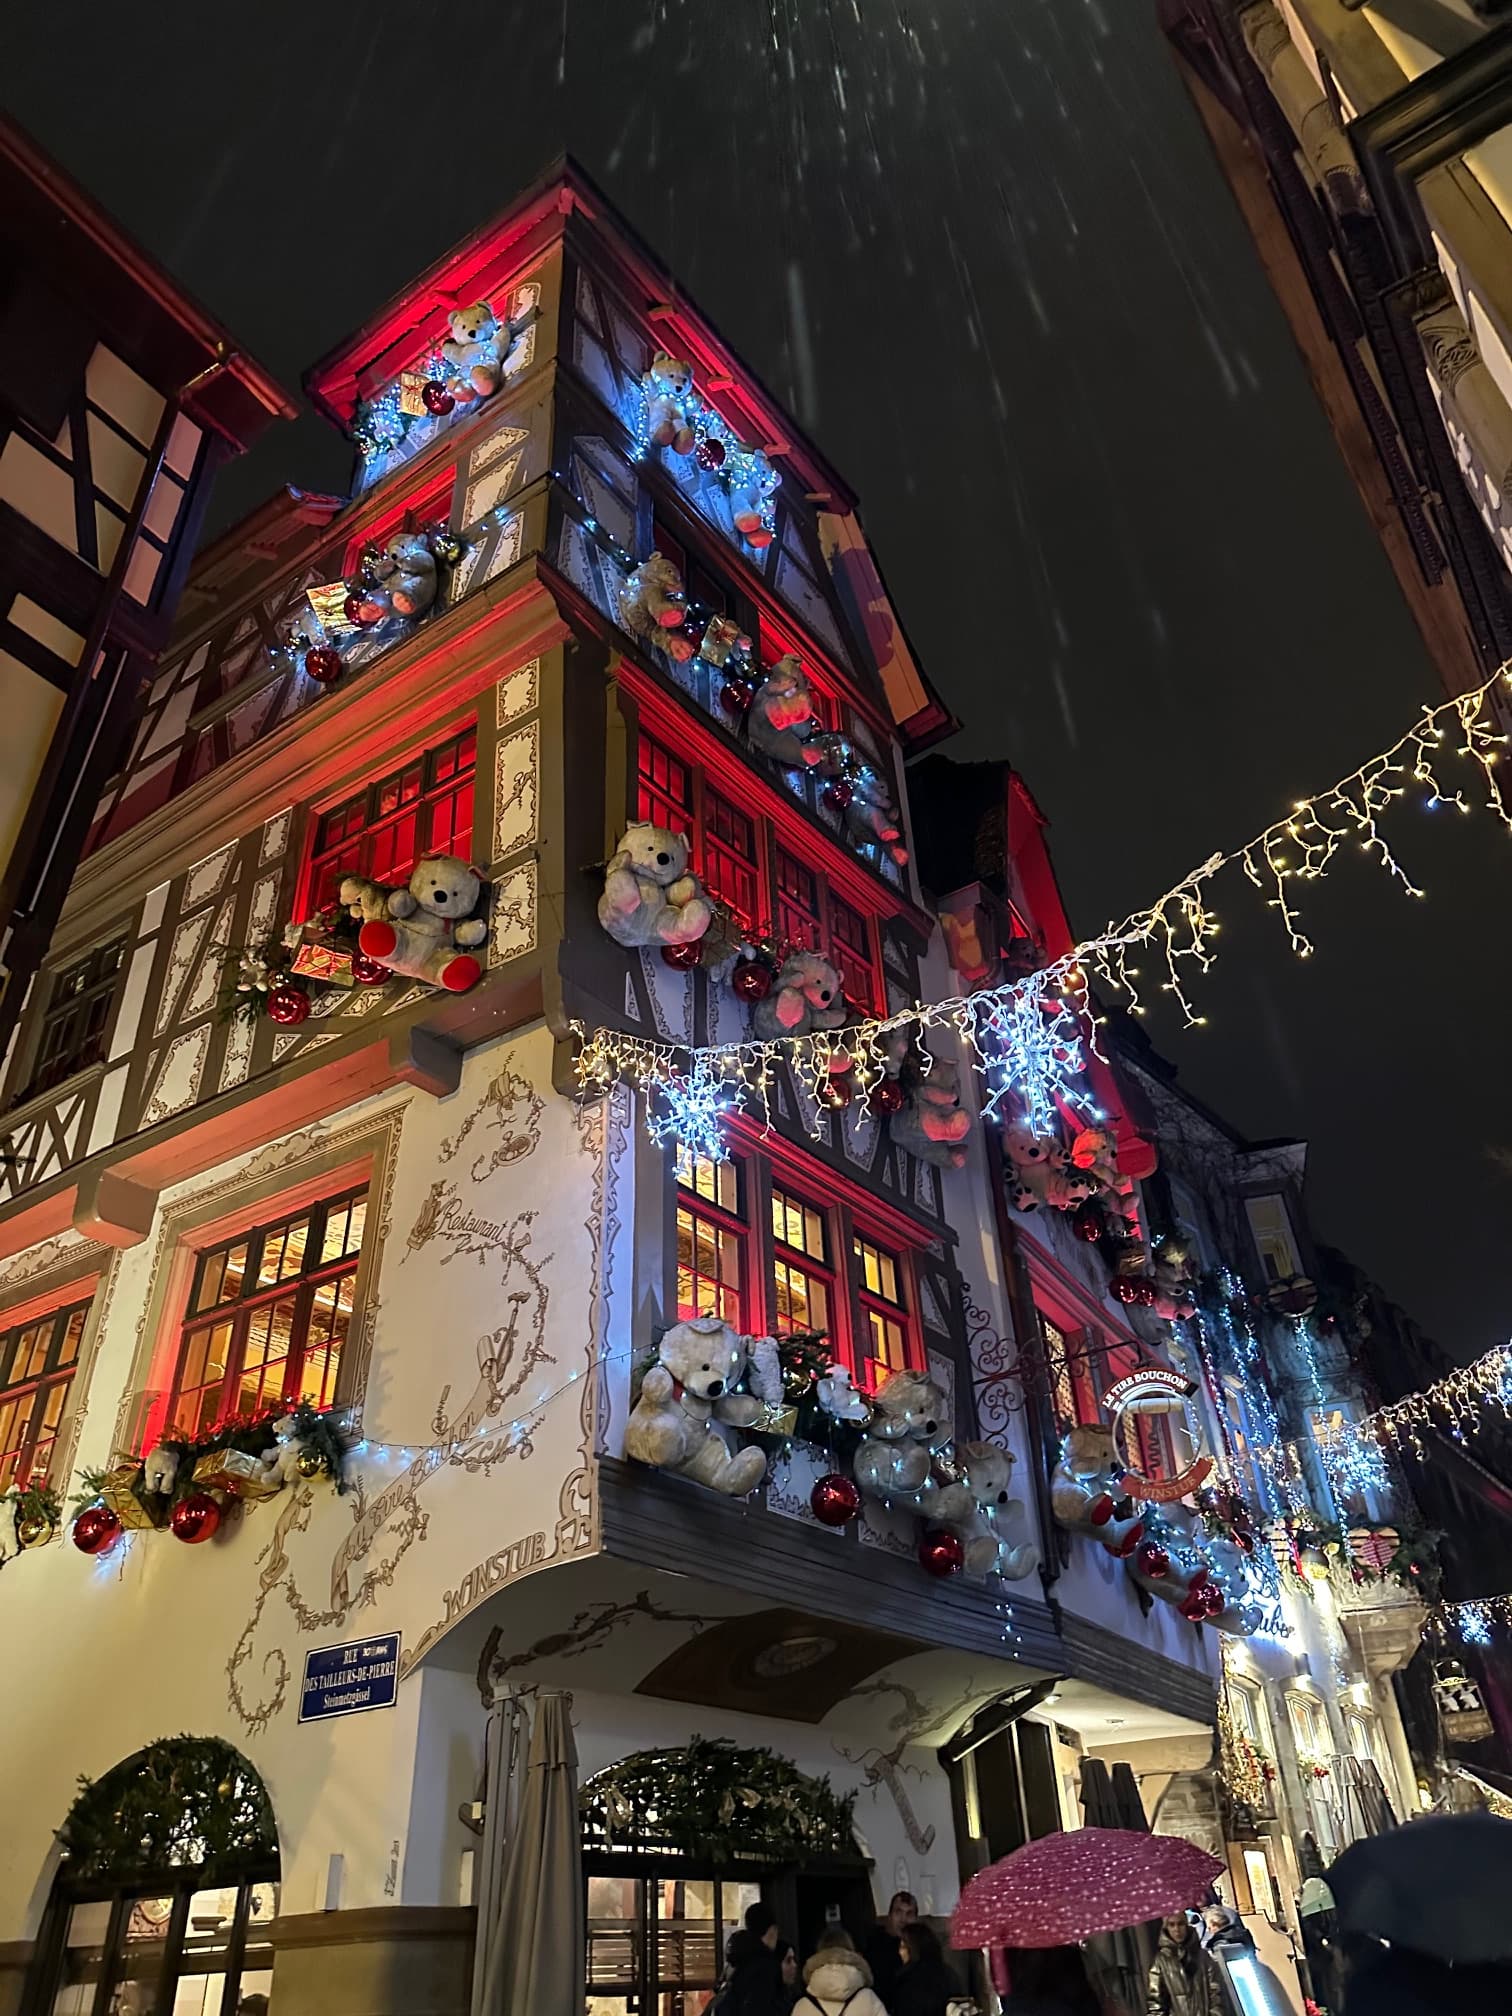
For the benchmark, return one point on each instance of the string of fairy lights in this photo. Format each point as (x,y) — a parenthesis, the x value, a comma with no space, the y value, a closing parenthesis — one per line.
(1028,1036)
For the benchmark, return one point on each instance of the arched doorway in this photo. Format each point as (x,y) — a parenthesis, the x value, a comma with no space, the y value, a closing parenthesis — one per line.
(676,1844)
(166,1890)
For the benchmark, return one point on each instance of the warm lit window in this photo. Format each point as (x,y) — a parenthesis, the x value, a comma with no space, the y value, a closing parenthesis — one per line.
(1270,1224)
(711,1239)
(268,1315)
(37,1364)
(802,1277)
(884,1316)
(426,807)
(78,1012)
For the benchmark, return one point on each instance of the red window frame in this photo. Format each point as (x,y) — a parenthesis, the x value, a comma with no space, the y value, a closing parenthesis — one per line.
(429,506)
(39,1356)
(820,1247)
(811,914)
(292,1282)
(713,1239)
(728,846)
(425,806)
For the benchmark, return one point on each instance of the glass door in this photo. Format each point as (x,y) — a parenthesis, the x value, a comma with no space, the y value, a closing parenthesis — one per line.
(656,1943)
(176,1951)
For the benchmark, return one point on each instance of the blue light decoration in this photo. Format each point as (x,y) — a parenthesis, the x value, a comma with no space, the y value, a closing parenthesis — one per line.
(1473,1622)
(1241,1348)
(1027,1041)
(743,472)
(687,1109)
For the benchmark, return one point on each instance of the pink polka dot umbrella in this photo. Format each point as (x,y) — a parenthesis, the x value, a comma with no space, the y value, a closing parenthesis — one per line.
(1065,1887)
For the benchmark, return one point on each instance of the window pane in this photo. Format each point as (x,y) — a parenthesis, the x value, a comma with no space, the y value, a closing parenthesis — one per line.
(886,1345)
(879,1272)
(427,804)
(801,1301)
(665,793)
(797,903)
(798,1225)
(730,857)
(708,1268)
(73,1330)
(716,1182)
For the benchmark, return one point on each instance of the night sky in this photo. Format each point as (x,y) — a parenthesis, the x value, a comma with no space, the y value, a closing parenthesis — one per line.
(982,250)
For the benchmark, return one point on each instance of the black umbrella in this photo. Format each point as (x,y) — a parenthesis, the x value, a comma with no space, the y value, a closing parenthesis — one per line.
(1439,1886)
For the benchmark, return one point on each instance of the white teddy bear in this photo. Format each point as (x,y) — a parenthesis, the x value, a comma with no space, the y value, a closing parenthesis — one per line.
(426,930)
(282,1460)
(653,605)
(839,1398)
(808,996)
(749,490)
(160,1471)
(407,574)
(670,403)
(909,1422)
(649,896)
(685,1391)
(479,348)
(980,1510)
(782,720)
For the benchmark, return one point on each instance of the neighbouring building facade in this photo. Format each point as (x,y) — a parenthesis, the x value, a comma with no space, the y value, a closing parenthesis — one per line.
(590,701)
(119,398)
(1369,147)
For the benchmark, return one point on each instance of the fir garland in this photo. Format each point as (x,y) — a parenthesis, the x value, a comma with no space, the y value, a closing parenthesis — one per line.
(719,1804)
(183,1802)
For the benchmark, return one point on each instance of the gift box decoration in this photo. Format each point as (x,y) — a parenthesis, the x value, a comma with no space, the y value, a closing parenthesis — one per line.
(331,963)
(237,1474)
(136,1512)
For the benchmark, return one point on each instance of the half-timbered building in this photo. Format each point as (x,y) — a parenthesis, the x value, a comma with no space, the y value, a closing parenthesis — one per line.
(394,1201)
(119,397)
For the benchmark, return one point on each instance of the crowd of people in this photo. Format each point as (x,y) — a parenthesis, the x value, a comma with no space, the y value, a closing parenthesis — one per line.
(900,1969)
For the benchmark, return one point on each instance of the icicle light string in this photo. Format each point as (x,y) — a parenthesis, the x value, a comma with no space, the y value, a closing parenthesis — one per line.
(1026,1037)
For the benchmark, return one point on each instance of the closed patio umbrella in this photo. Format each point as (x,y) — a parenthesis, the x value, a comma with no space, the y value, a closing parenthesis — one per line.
(1120,1959)
(531,1955)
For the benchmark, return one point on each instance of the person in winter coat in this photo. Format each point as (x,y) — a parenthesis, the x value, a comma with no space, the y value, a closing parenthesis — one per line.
(753,1969)
(924,1983)
(883,1947)
(837,1979)
(1223,1927)
(1048,1981)
(1184,1980)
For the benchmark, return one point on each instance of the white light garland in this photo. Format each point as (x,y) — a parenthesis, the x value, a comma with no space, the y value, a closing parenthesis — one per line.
(1041,1066)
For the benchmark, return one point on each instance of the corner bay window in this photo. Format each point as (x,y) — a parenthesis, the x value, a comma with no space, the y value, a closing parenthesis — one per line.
(791,1266)
(268,1315)
(764,885)
(37,1364)
(423,807)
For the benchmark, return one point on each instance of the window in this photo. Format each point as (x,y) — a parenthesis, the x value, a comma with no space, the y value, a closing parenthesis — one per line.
(727,843)
(802,1277)
(37,1364)
(1074,1392)
(711,1240)
(734,853)
(268,1315)
(78,1012)
(1270,1224)
(884,1313)
(426,807)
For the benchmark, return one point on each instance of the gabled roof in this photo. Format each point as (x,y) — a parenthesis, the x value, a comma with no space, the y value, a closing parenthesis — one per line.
(66,237)
(490,260)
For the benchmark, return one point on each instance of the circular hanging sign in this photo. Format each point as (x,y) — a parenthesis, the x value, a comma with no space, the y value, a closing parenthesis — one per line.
(1154,1389)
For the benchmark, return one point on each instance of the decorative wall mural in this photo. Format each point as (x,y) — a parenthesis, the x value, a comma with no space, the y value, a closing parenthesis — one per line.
(909,1722)
(589,1631)
(511,1111)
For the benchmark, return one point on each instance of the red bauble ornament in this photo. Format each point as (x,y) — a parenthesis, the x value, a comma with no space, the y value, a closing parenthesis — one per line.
(1145,1292)
(323,663)
(1214,1602)
(1152,1560)
(835,1500)
(368,972)
(288,1006)
(436,399)
(887,1096)
(353,608)
(836,1092)
(751,979)
(735,698)
(1123,1288)
(95,1529)
(838,794)
(683,957)
(1087,1221)
(195,1518)
(1193,1607)
(941,1554)
(710,453)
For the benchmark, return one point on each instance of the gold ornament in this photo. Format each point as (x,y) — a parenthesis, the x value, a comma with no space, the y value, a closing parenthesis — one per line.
(34,1530)
(309,1463)
(223,1790)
